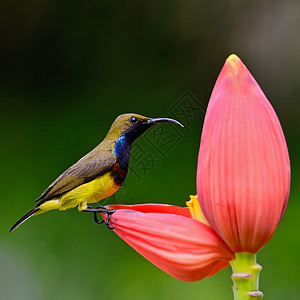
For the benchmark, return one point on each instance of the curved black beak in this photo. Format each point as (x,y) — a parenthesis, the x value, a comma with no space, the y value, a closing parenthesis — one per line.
(163,120)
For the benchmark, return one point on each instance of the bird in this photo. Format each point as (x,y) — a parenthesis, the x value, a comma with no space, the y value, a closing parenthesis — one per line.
(98,174)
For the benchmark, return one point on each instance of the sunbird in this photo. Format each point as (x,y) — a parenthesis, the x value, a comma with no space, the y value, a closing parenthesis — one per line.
(98,174)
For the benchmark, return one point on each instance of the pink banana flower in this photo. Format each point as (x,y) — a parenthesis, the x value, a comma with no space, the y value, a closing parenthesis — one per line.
(243,181)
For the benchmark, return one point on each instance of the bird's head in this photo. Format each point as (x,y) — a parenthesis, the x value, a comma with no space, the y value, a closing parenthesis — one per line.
(133,125)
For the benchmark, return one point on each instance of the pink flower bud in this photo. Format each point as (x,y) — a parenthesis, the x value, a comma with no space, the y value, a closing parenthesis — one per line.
(243,175)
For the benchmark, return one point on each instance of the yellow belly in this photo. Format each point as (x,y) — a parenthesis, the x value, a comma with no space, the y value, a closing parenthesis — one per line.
(80,196)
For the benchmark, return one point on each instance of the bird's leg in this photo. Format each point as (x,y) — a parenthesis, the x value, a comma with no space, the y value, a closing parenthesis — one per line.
(101,209)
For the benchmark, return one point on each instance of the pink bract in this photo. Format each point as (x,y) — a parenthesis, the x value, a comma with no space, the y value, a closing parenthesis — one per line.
(243,174)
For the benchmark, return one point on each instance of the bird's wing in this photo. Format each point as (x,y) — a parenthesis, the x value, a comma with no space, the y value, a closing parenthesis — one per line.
(85,170)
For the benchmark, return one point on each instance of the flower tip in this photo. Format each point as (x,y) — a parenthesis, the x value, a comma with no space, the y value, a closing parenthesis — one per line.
(233,64)
(233,57)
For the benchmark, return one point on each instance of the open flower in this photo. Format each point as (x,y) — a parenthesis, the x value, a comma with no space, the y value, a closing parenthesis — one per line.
(243,180)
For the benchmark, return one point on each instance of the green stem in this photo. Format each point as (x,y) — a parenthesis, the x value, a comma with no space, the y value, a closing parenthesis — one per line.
(245,277)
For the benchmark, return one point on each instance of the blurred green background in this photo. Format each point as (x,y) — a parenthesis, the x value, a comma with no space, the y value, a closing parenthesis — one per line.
(68,69)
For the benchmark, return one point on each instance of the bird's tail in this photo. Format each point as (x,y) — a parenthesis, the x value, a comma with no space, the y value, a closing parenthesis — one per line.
(24,218)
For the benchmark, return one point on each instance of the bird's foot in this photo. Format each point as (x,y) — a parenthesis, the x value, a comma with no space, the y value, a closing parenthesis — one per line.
(103,210)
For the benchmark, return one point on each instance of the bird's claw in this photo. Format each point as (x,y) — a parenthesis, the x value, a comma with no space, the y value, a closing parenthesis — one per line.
(103,210)
(108,212)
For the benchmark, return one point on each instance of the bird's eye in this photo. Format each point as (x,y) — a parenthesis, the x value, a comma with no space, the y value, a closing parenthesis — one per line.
(133,120)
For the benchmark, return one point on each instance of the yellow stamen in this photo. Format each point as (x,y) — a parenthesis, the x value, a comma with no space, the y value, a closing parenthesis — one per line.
(195,210)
